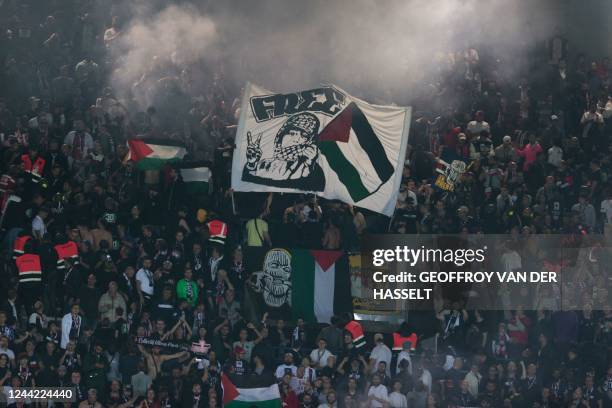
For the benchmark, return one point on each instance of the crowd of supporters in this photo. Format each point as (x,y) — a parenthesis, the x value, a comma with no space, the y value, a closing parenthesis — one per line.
(97,253)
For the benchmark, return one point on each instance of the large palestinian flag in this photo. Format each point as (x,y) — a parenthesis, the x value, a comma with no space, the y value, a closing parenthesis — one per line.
(297,283)
(324,141)
(355,153)
(321,284)
(152,154)
(250,394)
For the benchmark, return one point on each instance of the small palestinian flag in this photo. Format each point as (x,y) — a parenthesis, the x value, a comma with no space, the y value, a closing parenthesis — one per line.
(153,154)
(197,178)
(399,340)
(356,331)
(247,396)
(321,285)
(355,153)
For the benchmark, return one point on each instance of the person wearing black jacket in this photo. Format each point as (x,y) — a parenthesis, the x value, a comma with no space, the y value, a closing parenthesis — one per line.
(127,285)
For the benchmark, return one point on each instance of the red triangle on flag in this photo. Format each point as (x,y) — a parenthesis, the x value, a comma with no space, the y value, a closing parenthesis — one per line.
(230,392)
(325,259)
(339,129)
(138,149)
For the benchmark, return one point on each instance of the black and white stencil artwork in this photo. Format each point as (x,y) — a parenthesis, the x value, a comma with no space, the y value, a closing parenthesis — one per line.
(293,161)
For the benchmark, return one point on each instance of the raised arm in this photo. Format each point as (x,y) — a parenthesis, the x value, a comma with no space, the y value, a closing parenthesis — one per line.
(257,332)
(173,329)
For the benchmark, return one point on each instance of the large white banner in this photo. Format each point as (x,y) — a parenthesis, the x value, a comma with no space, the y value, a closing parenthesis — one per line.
(322,141)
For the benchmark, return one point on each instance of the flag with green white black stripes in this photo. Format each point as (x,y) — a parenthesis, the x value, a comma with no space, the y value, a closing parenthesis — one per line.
(322,141)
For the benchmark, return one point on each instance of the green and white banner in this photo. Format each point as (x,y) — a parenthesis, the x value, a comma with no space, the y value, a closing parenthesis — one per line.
(322,141)
(197,177)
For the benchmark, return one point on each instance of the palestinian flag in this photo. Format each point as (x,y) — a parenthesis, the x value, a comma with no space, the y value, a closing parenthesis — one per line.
(321,284)
(197,178)
(153,154)
(250,396)
(355,153)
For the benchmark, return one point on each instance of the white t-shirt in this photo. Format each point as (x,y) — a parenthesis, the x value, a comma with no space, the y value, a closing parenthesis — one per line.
(381,353)
(319,358)
(38,226)
(8,352)
(378,391)
(511,261)
(607,114)
(426,379)
(555,156)
(398,400)
(298,384)
(403,355)
(280,370)
(86,144)
(145,277)
(606,208)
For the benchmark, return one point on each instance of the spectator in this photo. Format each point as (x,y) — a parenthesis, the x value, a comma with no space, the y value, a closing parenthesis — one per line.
(71,325)
(110,302)
(145,241)
(319,356)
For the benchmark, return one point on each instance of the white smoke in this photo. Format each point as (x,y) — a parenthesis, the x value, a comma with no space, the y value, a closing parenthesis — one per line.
(367,47)
(157,45)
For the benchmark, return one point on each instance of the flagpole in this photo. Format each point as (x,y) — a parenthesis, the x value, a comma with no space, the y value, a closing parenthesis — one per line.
(233,201)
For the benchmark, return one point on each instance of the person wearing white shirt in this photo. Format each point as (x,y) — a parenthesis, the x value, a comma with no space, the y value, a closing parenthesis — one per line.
(473,380)
(404,355)
(380,353)
(144,279)
(555,156)
(80,140)
(38,317)
(4,349)
(39,229)
(299,380)
(377,394)
(71,325)
(330,400)
(287,366)
(607,113)
(319,356)
(606,210)
(396,398)
(423,375)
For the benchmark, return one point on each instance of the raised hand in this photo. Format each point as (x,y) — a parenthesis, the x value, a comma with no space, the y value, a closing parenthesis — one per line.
(253,153)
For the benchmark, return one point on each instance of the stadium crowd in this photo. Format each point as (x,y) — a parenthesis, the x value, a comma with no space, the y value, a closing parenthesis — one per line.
(154,261)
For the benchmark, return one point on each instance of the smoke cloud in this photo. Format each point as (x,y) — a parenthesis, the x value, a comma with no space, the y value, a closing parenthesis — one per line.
(377,49)
(157,48)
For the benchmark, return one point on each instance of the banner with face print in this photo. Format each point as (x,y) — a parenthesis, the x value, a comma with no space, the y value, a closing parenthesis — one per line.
(321,141)
(313,285)
(269,286)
